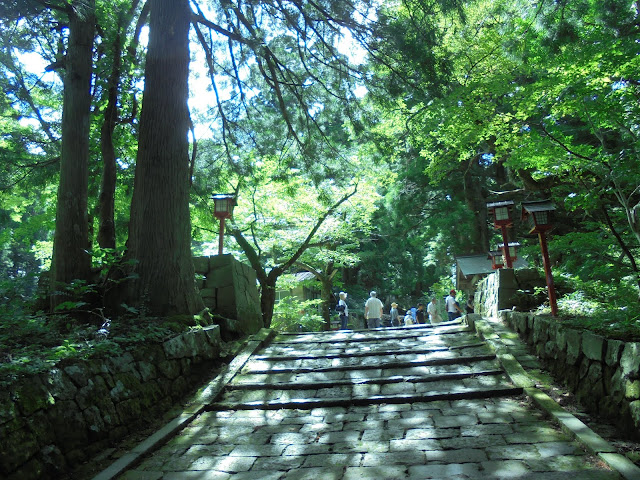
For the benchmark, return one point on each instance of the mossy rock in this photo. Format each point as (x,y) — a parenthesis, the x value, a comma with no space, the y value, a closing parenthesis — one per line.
(32,396)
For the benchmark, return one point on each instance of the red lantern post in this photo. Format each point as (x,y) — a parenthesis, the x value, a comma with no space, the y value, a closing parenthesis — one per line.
(503,219)
(540,216)
(223,209)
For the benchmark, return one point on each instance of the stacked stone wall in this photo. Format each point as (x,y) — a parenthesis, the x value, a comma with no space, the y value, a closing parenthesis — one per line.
(51,423)
(507,288)
(603,373)
(229,289)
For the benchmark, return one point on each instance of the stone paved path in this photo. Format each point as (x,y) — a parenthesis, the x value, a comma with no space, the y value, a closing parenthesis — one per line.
(407,403)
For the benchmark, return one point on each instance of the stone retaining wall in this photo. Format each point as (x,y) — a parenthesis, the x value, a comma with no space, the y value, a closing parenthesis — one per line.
(507,288)
(603,373)
(229,289)
(53,422)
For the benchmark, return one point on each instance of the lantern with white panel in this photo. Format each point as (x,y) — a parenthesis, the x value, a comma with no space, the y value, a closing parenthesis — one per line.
(502,213)
(497,260)
(223,204)
(511,250)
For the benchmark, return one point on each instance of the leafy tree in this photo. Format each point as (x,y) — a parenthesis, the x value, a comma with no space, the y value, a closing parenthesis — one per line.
(282,261)
(531,101)
(115,22)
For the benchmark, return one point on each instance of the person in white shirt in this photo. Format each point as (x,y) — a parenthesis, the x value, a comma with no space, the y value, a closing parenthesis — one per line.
(452,306)
(373,310)
(432,310)
(344,314)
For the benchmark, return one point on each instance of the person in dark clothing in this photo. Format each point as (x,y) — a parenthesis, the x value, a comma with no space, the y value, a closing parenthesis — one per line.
(420,313)
(469,305)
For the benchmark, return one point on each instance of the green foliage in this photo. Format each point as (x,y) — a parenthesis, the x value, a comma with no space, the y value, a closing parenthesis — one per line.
(32,344)
(442,288)
(578,310)
(293,315)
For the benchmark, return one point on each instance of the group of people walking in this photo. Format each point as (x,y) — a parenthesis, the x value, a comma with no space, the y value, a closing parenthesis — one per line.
(373,312)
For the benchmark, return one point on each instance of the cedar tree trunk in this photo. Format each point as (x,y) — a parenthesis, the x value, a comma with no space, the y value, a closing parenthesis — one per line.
(160,227)
(71,259)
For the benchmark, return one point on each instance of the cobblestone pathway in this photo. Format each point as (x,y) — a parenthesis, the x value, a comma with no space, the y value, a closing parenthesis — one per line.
(407,403)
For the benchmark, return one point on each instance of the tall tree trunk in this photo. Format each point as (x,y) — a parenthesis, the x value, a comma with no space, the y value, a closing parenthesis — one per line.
(474,198)
(71,241)
(325,296)
(160,226)
(106,200)
(326,286)
(268,300)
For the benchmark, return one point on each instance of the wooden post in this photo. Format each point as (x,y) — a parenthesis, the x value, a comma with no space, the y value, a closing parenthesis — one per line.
(505,246)
(547,270)
(221,236)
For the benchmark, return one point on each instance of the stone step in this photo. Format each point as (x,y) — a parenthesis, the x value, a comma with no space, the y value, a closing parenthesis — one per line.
(347,352)
(377,334)
(286,382)
(335,375)
(368,398)
(367,363)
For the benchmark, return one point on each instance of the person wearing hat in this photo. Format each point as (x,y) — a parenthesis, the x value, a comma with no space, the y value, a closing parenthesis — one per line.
(393,314)
(452,306)
(373,310)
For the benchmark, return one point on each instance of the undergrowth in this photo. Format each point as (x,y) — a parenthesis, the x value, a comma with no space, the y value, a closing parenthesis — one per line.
(608,308)
(32,343)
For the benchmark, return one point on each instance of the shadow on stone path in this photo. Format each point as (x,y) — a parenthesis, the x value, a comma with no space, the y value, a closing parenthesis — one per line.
(396,403)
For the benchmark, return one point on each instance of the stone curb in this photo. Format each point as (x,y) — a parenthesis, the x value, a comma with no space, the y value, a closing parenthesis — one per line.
(571,425)
(199,403)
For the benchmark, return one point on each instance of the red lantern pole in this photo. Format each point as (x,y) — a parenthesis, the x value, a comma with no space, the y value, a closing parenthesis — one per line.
(547,270)
(221,236)
(505,246)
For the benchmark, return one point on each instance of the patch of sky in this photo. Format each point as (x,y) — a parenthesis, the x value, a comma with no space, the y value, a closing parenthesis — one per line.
(486,159)
(315,108)
(121,164)
(620,84)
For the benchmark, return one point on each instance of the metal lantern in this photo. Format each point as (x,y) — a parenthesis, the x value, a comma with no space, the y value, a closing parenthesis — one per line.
(223,205)
(223,209)
(540,215)
(502,213)
(496,259)
(512,250)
